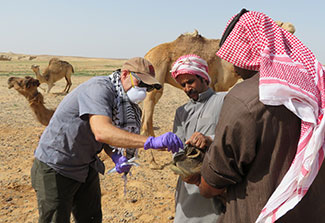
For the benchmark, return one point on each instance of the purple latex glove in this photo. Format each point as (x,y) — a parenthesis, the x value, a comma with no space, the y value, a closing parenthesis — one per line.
(118,159)
(168,140)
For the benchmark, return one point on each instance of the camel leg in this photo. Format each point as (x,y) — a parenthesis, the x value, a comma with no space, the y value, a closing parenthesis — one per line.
(66,86)
(163,76)
(69,83)
(50,85)
(148,110)
(69,86)
(147,115)
(147,119)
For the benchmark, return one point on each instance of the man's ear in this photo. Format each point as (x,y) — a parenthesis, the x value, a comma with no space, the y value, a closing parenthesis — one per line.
(124,80)
(124,74)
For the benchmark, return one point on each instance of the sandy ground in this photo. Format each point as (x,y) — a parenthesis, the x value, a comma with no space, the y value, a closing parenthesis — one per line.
(150,193)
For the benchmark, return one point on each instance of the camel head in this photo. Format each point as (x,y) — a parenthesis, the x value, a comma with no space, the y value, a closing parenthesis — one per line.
(26,86)
(35,68)
(287,26)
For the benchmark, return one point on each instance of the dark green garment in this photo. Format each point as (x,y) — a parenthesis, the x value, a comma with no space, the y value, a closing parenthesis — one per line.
(58,196)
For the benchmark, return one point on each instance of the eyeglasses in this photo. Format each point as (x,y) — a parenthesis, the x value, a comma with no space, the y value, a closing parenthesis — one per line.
(142,84)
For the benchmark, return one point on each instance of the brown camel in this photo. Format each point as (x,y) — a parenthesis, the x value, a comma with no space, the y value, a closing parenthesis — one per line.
(222,74)
(28,88)
(164,55)
(56,70)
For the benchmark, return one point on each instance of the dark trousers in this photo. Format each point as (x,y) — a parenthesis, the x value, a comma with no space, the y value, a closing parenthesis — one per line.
(58,196)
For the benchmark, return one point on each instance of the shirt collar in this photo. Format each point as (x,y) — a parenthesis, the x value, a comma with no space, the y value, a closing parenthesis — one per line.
(204,96)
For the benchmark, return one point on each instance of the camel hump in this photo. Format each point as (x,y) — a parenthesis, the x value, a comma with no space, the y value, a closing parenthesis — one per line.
(195,33)
(53,60)
(191,37)
(57,66)
(66,65)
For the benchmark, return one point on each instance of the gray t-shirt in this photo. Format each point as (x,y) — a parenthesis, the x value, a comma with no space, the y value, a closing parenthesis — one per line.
(68,144)
(197,116)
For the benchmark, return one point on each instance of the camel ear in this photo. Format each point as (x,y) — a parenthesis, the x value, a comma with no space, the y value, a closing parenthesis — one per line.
(10,85)
(36,83)
(29,81)
(34,66)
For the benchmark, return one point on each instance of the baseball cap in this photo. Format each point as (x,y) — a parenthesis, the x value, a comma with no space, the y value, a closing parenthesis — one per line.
(144,70)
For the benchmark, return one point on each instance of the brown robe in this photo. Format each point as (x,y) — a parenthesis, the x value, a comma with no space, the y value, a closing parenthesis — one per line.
(253,148)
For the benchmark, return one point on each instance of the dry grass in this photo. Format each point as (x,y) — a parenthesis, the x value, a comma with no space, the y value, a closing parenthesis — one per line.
(82,65)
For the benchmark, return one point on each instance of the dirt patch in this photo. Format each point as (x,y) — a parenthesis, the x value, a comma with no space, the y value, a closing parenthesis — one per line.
(150,193)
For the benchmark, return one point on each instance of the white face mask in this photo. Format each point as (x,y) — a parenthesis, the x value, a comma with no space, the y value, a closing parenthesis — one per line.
(137,94)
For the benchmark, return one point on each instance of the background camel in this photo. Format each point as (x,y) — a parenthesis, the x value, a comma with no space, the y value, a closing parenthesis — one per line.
(164,55)
(56,70)
(28,88)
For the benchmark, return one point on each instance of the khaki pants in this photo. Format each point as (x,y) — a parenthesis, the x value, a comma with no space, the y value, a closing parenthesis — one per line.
(58,196)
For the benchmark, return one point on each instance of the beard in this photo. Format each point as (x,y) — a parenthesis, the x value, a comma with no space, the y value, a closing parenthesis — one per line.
(192,93)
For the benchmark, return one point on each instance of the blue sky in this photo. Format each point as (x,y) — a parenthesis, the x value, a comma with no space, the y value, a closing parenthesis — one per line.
(124,29)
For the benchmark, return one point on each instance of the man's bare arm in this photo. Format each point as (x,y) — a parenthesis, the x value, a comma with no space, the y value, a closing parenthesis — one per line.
(106,132)
(207,191)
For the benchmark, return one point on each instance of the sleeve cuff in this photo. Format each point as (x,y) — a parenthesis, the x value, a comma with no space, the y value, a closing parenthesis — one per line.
(213,178)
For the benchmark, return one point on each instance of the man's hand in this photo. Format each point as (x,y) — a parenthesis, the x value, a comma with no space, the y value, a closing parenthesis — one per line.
(168,140)
(120,163)
(199,140)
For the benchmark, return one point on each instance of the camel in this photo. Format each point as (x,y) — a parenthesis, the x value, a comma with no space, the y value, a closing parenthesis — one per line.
(28,88)
(162,57)
(56,70)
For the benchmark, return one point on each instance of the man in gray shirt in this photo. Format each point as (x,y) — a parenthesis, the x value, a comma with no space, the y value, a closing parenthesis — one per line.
(103,110)
(195,124)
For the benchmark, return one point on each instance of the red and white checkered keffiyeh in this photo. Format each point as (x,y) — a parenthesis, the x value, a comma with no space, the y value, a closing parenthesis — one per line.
(290,75)
(191,64)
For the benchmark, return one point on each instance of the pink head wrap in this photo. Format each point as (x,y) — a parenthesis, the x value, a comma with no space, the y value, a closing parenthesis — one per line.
(290,75)
(191,64)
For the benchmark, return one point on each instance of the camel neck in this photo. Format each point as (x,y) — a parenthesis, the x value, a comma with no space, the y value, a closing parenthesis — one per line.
(35,98)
